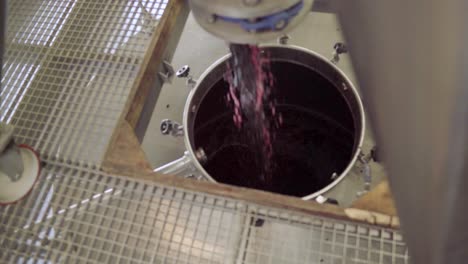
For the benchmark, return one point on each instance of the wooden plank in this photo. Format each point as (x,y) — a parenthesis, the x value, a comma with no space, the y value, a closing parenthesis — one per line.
(244,194)
(379,200)
(263,198)
(126,155)
(175,13)
(151,65)
(143,114)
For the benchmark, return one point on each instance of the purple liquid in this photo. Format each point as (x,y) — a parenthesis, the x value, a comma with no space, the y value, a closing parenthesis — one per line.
(315,140)
(250,95)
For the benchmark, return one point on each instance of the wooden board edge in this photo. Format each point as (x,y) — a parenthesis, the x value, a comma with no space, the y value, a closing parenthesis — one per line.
(148,71)
(175,10)
(268,199)
(379,199)
(126,153)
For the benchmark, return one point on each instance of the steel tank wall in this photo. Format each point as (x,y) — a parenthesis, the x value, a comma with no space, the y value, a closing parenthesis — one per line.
(297,58)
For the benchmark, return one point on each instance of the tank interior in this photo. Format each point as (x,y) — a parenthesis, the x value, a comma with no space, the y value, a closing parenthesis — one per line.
(313,145)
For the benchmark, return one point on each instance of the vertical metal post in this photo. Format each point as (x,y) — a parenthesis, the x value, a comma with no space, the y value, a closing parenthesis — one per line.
(410,58)
(3,14)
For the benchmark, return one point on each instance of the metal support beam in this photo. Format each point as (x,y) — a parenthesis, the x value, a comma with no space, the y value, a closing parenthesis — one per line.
(410,58)
(3,14)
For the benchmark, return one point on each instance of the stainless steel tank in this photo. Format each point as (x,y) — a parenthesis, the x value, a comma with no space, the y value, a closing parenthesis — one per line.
(315,147)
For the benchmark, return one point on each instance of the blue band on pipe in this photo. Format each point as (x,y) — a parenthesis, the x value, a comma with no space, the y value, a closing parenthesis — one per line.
(273,22)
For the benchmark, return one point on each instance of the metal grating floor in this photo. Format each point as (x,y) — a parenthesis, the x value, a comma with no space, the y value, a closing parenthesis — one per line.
(81,215)
(68,68)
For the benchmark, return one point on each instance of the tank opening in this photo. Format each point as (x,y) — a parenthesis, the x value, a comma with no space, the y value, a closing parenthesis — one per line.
(315,140)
